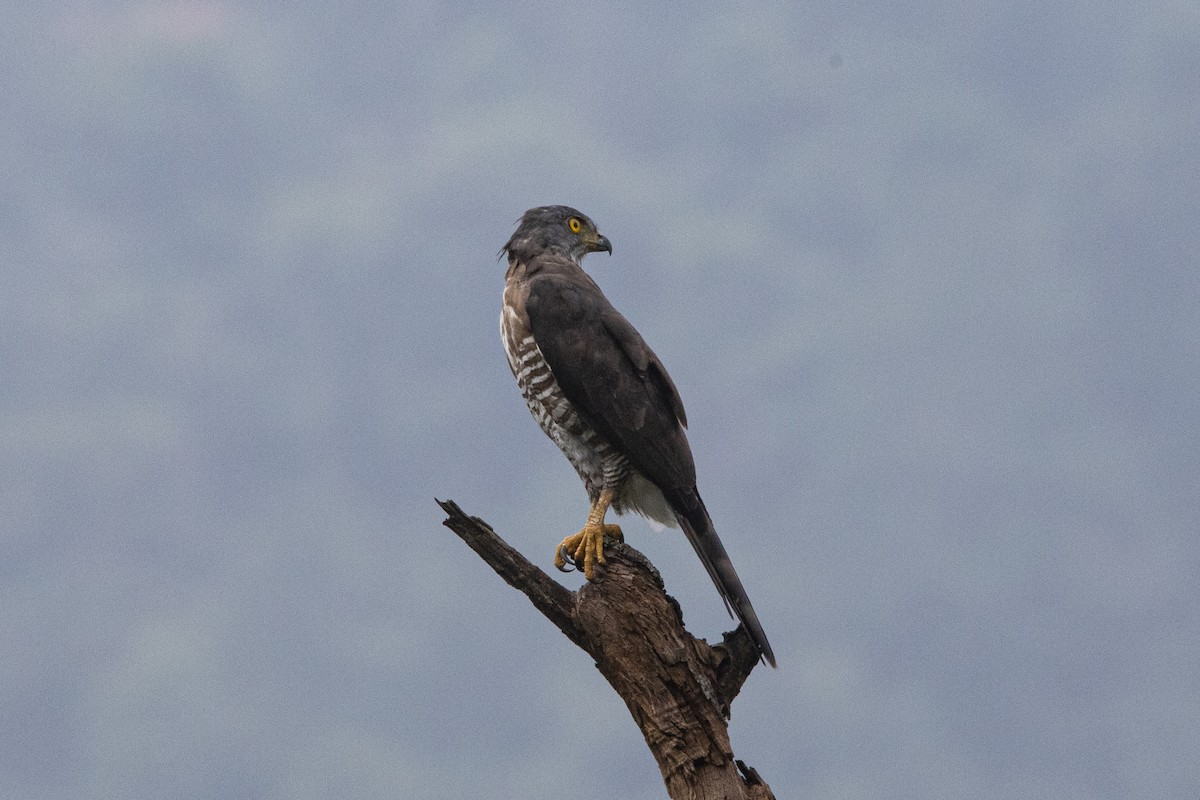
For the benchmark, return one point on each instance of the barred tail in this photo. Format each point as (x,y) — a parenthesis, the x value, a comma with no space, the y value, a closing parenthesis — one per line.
(693,518)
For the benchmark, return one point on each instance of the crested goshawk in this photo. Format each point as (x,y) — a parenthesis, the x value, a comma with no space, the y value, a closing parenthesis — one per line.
(602,395)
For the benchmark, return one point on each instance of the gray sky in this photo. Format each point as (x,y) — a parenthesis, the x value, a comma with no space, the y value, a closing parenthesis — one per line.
(924,274)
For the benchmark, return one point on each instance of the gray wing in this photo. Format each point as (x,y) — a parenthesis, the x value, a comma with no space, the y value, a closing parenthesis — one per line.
(611,376)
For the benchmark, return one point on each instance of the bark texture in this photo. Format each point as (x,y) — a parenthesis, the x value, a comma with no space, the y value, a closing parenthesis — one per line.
(678,688)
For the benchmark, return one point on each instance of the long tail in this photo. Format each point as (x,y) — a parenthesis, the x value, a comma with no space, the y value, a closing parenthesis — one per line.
(693,518)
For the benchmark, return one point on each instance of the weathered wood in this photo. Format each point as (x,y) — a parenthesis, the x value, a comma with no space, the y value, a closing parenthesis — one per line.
(678,688)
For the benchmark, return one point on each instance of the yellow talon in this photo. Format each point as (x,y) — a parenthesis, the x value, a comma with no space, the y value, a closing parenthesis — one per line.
(588,545)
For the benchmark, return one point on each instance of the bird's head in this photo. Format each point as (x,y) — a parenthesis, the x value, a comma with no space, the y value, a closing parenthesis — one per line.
(555,229)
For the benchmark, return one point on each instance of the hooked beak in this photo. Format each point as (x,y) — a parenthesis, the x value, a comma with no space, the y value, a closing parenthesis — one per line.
(595,243)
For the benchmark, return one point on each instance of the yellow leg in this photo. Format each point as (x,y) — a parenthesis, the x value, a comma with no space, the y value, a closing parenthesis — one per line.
(588,545)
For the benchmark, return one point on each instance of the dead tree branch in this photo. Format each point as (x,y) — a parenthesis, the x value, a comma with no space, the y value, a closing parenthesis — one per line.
(678,688)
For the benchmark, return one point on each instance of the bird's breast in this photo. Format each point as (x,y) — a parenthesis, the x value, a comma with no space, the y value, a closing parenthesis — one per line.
(592,457)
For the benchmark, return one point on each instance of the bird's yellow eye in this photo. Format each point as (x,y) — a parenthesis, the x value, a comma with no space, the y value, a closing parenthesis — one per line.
(574,224)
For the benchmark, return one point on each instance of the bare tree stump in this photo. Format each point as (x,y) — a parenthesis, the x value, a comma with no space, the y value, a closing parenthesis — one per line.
(678,688)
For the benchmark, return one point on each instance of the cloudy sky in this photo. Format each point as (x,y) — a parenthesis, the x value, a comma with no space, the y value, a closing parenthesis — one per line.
(925,275)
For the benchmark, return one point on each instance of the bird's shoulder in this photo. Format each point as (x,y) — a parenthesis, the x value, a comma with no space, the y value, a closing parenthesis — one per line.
(558,286)
(561,300)
(585,339)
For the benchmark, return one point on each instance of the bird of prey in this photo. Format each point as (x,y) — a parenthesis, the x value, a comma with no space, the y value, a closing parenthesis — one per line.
(602,395)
